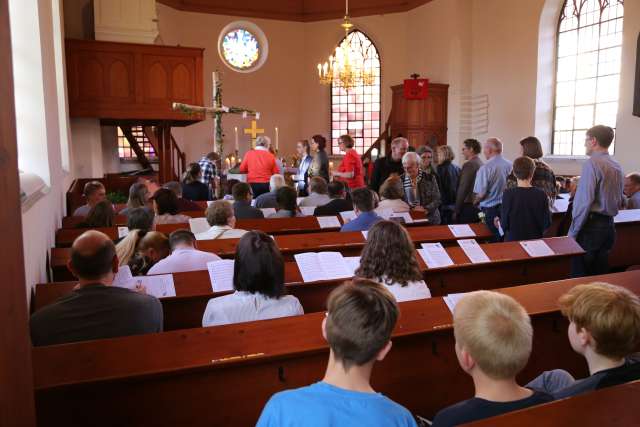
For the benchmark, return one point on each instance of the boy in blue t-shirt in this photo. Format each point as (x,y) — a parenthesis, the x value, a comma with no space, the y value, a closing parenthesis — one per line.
(493,342)
(360,318)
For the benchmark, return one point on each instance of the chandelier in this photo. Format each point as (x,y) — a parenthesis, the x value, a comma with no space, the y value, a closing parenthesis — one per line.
(351,64)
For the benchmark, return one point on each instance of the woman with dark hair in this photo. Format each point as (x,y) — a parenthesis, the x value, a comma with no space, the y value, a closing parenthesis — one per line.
(286,199)
(543,176)
(390,258)
(302,177)
(101,215)
(192,188)
(165,205)
(350,170)
(320,164)
(258,280)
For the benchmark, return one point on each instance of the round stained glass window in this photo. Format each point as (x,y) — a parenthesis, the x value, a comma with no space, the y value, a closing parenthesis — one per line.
(242,46)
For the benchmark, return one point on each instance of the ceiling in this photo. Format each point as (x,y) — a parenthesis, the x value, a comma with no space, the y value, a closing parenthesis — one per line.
(294,10)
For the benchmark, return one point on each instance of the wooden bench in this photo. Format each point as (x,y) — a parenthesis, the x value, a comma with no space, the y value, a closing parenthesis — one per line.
(613,406)
(224,375)
(510,265)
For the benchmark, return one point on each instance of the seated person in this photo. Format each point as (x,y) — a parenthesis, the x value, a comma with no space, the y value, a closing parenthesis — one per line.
(632,190)
(138,198)
(222,221)
(363,204)
(258,280)
(493,342)
(184,256)
(360,318)
(390,258)
(95,309)
(150,248)
(337,202)
(100,215)
(391,193)
(242,208)
(268,200)
(286,198)
(94,192)
(605,330)
(192,187)
(165,206)
(228,191)
(317,193)
(184,205)
(139,222)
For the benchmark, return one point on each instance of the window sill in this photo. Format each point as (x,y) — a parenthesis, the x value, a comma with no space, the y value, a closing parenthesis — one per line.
(560,158)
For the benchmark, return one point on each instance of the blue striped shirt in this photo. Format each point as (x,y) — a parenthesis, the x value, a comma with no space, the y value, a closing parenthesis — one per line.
(491,181)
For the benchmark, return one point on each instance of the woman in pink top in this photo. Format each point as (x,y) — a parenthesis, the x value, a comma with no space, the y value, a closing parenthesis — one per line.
(350,170)
(259,165)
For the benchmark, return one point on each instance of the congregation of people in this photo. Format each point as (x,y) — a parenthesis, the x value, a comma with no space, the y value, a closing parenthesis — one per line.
(493,332)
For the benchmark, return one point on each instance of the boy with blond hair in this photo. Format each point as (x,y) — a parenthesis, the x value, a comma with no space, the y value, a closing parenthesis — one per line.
(493,336)
(605,330)
(360,318)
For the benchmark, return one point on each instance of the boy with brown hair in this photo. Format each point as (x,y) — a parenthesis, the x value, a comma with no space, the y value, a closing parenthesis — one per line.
(525,210)
(605,329)
(360,319)
(493,336)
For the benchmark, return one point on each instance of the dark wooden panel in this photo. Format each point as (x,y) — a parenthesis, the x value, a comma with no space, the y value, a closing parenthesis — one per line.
(421,121)
(16,383)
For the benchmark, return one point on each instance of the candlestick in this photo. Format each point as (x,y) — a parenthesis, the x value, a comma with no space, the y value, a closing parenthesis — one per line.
(236,132)
(277,144)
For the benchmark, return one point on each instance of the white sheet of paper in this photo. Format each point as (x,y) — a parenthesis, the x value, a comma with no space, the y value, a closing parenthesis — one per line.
(253,202)
(418,221)
(385,213)
(298,200)
(434,255)
(309,266)
(160,286)
(123,232)
(452,300)
(334,265)
(221,275)
(473,251)
(209,202)
(198,225)
(268,211)
(123,277)
(536,248)
(307,210)
(347,216)
(328,222)
(560,205)
(461,230)
(365,234)
(627,215)
(353,262)
(404,215)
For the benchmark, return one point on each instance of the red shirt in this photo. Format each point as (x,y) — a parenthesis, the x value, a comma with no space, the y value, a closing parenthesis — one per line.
(259,165)
(352,163)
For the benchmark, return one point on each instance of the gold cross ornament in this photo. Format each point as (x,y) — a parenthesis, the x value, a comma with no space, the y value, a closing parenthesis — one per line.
(254,131)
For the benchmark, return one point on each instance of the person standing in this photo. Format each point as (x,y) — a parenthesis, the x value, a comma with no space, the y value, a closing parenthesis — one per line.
(543,177)
(302,177)
(350,170)
(259,164)
(320,164)
(491,181)
(209,171)
(597,200)
(448,176)
(420,188)
(465,210)
(426,158)
(192,186)
(388,165)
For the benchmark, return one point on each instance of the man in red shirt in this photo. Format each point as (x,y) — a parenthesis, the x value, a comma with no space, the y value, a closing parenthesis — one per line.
(259,164)
(350,170)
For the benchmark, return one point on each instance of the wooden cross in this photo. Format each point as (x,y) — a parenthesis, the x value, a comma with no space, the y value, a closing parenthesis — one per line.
(253,131)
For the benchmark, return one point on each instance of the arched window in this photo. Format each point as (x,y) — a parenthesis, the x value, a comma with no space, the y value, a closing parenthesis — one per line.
(587,71)
(356,110)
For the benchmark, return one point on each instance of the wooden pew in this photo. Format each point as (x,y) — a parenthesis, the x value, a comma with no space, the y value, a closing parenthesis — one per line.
(510,265)
(613,406)
(224,375)
(349,244)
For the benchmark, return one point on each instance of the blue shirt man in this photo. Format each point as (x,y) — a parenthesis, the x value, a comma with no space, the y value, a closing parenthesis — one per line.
(597,200)
(363,205)
(362,222)
(491,181)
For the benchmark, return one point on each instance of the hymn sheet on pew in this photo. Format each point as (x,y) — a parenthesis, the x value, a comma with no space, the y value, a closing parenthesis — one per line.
(159,286)
(123,277)
(353,262)
(365,234)
(452,300)
(123,232)
(315,266)
(221,275)
(385,213)
(404,215)
(198,225)
(537,248)
(461,230)
(473,251)
(328,222)
(348,216)
(268,211)
(434,255)
(307,210)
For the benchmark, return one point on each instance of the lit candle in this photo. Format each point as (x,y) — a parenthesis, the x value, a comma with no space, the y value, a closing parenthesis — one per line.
(277,144)
(236,131)
(330,166)
(319,70)
(227,162)
(233,160)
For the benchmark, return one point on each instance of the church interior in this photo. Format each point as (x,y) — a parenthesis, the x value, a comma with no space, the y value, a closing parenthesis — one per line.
(132,92)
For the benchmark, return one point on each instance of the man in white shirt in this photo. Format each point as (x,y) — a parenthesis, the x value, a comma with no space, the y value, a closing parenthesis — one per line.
(184,256)
(318,193)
